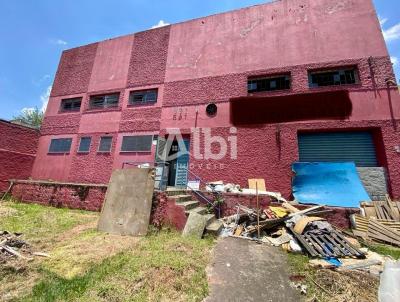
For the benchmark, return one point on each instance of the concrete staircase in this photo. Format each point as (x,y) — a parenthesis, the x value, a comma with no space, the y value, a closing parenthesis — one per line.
(185,200)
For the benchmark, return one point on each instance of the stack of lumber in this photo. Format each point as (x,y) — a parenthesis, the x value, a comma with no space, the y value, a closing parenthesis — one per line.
(384,210)
(378,230)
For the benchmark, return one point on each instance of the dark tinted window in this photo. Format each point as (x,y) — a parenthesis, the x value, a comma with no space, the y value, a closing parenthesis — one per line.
(140,143)
(60,145)
(144,96)
(268,84)
(71,104)
(84,145)
(333,77)
(104,101)
(105,144)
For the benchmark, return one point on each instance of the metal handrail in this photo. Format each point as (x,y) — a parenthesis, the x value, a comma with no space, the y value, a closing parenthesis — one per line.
(201,195)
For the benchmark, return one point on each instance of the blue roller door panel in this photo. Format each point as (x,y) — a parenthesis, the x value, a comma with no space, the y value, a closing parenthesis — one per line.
(355,147)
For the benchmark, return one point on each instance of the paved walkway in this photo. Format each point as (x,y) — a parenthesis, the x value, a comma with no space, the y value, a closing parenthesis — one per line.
(243,270)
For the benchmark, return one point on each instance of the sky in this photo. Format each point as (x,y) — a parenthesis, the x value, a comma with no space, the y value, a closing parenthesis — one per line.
(33,34)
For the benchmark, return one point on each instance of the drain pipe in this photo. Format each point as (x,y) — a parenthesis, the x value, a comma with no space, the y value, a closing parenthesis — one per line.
(390,83)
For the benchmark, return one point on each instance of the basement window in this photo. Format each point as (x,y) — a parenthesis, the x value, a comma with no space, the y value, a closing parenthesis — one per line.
(140,143)
(143,97)
(333,77)
(60,145)
(73,104)
(84,145)
(104,101)
(268,83)
(105,144)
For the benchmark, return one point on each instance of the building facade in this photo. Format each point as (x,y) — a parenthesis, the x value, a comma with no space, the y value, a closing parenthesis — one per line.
(277,83)
(17,153)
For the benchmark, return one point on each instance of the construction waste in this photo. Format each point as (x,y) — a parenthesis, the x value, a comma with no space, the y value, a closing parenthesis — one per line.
(12,247)
(306,232)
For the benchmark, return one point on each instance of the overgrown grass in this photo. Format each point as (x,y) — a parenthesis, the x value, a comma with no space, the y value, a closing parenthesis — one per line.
(385,250)
(41,223)
(86,265)
(164,266)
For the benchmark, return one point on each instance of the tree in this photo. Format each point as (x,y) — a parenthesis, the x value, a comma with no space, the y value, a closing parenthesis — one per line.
(30,117)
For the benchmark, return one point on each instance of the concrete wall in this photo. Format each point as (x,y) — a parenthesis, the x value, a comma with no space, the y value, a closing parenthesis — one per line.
(18,146)
(374,181)
(209,60)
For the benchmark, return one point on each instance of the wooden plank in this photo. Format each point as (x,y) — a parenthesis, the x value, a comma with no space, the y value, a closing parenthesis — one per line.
(394,211)
(378,211)
(319,245)
(338,249)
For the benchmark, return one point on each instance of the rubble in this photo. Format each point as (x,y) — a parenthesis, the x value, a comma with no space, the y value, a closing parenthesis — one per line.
(12,246)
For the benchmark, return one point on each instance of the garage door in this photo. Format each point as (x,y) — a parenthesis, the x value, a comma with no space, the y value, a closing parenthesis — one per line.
(357,147)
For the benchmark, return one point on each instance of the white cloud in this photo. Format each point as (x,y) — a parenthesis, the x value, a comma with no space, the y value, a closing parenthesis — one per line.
(44,98)
(38,82)
(59,42)
(392,33)
(395,60)
(161,23)
(382,21)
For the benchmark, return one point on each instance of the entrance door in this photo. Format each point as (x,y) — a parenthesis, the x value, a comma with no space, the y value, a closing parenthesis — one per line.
(182,164)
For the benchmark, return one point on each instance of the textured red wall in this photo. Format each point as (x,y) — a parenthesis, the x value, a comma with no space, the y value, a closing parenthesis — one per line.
(73,74)
(149,56)
(18,146)
(58,195)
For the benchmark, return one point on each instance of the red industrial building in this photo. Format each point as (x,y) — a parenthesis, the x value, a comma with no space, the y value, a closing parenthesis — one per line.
(286,81)
(17,152)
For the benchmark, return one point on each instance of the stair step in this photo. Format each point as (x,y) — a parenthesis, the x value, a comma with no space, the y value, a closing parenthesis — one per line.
(181,198)
(210,218)
(188,205)
(174,191)
(198,210)
(215,227)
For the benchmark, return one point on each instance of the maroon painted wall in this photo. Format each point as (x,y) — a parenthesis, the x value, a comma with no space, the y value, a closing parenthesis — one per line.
(18,146)
(209,60)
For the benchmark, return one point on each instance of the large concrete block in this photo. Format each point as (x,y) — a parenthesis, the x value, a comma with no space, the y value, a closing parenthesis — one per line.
(195,225)
(127,206)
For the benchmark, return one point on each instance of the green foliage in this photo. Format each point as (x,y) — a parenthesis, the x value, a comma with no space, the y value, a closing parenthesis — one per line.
(385,250)
(30,117)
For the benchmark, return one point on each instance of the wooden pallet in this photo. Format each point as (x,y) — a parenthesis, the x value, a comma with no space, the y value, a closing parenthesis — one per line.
(324,243)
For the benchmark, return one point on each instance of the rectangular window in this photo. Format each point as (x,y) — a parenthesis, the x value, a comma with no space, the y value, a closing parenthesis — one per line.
(60,145)
(141,143)
(104,101)
(84,145)
(73,104)
(268,83)
(143,97)
(332,77)
(105,144)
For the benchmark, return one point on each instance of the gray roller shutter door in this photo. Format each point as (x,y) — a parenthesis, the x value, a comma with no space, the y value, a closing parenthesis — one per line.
(357,147)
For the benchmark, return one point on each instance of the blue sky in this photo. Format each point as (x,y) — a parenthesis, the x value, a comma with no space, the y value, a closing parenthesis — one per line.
(34,33)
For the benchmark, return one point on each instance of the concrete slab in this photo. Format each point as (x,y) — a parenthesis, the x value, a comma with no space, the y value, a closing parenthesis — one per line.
(243,270)
(127,206)
(195,225)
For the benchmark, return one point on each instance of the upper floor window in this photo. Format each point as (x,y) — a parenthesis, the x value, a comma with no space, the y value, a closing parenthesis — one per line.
(268,83)
(139,143)
(84,145)
(333,77)
(105,144)
(73,104)
(60,145)
(104,101)
(143,97)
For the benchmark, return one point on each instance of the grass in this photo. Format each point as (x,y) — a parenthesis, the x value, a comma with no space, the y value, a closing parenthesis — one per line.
(385,250)
(86,265)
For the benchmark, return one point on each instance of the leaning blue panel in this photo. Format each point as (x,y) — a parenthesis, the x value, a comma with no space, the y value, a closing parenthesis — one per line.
(332,184)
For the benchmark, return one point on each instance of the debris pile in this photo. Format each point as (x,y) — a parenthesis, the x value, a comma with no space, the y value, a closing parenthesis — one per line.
(294,230)
(379,223)
(13,246)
